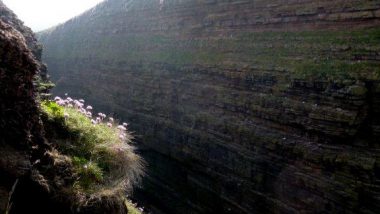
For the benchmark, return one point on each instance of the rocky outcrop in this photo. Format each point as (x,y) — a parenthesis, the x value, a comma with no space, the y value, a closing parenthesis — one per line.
(42,79)
(33,179)
(241,106)
(21,132)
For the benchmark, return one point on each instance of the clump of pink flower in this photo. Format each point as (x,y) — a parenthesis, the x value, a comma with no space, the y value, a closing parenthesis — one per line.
(87,111)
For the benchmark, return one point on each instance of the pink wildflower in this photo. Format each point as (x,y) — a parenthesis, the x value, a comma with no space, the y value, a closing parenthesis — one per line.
(98,120)
(61,102)
(88,114)
(83,111)
(89,108)
(109,125)
(121,128)
(78,104)
(102,115)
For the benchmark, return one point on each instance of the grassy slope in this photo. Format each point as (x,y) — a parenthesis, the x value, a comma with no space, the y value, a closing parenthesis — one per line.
(102,162)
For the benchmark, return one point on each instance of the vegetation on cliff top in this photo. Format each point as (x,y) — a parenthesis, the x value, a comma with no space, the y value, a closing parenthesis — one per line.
(321,54)
(99,149)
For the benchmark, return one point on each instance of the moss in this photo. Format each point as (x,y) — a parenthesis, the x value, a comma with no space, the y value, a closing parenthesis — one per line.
(357,90)
(42,86)
(53,110)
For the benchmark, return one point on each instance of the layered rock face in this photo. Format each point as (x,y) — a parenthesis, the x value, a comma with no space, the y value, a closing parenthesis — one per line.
(241,106)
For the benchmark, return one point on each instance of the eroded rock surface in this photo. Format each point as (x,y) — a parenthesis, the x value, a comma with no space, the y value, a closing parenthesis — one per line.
(241,106)
(8,17)
(21,132)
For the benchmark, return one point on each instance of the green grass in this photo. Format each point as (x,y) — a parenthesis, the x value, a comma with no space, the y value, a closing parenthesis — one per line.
(326,54)
(131,208)
(102,162)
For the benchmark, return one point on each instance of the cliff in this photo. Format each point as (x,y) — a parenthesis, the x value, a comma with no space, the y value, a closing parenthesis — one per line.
(241,106)
(42,79)
(21,142)
(36,176)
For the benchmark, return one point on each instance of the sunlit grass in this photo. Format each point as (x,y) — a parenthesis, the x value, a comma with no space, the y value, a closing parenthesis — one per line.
(132,208)
(103,161)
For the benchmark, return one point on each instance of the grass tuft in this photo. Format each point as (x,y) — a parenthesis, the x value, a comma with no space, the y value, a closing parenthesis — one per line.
(132,208)
(103,161)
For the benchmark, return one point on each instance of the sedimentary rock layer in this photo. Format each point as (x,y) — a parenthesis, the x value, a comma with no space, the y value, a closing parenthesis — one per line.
(241,106)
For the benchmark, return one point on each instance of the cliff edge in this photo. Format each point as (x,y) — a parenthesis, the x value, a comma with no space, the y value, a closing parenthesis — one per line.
(36,176)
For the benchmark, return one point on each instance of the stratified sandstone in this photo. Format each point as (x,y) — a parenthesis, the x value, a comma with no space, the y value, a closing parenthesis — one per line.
(241,106)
